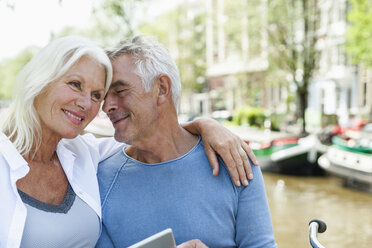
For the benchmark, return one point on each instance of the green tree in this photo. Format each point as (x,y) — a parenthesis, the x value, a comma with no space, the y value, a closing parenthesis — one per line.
(185,38)
(111,21)
(9,70)
(359,33)
(120,15)
(292,27)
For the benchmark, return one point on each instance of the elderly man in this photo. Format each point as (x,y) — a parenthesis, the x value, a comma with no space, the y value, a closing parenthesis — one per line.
(162,179)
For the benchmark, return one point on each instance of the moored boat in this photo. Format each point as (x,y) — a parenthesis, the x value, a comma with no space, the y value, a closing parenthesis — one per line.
(354,167)
(351,159)
(300,159)
(284,153)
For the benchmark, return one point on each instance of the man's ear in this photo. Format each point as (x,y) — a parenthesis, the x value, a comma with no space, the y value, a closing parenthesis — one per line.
(164,84)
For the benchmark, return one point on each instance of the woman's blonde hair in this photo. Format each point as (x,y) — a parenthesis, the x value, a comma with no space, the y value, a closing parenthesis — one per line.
(20,121)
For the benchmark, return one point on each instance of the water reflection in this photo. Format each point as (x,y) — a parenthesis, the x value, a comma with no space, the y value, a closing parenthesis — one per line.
(294,201)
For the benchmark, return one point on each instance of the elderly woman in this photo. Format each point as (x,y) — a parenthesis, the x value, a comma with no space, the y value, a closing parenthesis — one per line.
(48,185)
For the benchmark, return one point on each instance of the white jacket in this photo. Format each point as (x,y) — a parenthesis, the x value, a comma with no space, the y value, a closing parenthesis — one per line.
(79,158)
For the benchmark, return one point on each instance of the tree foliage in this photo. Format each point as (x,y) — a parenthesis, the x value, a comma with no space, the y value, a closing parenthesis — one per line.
(121,15)
(292,31)
(359,33)
(9,70)
(111,21)
(185,38)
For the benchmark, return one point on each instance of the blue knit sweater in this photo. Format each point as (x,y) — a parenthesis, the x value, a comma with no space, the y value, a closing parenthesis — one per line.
(139,200)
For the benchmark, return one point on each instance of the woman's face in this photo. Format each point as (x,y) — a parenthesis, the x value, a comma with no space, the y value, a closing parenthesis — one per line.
(67,105)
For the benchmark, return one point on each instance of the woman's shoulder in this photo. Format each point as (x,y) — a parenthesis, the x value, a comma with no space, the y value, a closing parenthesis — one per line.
(3,137)
(9,154)
(80,142)
(6,146)
(88,139)
(100,148)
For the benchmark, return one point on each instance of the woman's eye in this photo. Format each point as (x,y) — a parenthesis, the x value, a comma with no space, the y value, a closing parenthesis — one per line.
(96,96)
(75,84)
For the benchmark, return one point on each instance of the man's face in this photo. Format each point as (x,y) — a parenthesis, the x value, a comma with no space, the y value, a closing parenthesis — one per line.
(131,110)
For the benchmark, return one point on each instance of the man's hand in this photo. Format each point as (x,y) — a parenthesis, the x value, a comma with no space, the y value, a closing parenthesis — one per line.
(195,243)
(232,149)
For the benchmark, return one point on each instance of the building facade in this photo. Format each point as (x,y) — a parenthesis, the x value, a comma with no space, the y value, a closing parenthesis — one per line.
(236,53)
(237,62)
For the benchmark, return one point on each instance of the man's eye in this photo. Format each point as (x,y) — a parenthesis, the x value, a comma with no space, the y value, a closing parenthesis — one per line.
(120,91)
(75,84)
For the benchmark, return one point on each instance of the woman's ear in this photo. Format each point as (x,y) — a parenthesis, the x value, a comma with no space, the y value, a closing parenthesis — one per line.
(164,85)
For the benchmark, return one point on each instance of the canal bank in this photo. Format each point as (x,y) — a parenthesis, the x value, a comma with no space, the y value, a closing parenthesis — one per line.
(294,201)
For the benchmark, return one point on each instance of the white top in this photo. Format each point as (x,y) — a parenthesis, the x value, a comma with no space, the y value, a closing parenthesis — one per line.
(79,158)
(73,218)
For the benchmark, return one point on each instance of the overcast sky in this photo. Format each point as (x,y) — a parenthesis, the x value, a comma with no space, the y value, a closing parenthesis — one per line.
(31,21)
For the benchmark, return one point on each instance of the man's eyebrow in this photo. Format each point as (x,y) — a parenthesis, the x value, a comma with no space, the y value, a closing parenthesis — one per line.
(118,83)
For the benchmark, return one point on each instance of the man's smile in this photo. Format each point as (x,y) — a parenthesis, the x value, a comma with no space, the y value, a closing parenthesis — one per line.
(116,118)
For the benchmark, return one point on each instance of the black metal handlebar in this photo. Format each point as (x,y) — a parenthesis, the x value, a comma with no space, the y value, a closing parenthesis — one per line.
(315,227)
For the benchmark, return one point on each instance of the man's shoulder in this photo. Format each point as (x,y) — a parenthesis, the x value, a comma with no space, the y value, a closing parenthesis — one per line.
(111,164)
(109,168)
(197,151)
(107,172)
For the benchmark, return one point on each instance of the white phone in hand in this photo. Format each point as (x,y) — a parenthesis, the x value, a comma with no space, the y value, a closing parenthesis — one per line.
(163,239)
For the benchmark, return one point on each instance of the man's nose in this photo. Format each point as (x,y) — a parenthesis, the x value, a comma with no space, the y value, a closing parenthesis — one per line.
(109,104)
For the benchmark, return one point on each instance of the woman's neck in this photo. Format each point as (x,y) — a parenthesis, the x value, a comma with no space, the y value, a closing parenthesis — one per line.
(47,150)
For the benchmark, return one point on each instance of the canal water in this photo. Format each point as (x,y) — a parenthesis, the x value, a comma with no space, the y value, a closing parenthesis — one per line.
(294,201)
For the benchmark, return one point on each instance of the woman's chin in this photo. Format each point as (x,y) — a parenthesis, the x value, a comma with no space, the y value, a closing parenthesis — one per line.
(71,135)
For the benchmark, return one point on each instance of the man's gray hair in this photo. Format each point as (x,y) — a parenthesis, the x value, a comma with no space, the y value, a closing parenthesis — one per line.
(20,122)
(152,59)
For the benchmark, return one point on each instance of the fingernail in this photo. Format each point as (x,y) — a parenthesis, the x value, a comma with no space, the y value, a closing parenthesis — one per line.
(257,162)
(238,183)
(250,176)
(245,182)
